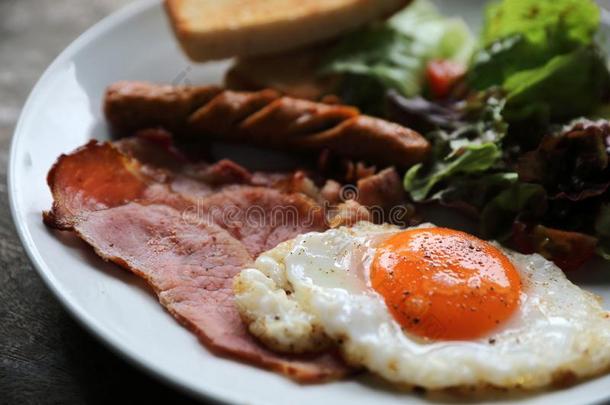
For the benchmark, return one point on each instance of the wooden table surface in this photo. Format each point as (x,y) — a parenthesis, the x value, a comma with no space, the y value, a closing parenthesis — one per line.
(45,356)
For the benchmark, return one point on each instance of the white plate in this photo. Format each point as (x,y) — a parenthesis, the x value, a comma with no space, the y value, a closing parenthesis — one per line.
(62,113)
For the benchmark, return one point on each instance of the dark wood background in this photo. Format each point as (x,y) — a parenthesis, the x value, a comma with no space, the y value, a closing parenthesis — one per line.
(45,356)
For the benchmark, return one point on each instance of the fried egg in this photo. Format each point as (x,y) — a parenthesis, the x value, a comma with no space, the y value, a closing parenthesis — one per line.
(426,306)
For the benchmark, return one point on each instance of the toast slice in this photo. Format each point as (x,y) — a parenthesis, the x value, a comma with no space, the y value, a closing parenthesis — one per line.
(218,29)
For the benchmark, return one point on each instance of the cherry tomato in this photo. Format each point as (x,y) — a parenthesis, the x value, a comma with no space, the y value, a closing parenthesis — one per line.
(442,75)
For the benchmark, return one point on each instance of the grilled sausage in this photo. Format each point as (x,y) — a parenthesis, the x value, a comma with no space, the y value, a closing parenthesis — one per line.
(264,118)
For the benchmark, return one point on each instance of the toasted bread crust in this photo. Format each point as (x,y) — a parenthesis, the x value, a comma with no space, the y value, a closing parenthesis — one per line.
(210,30)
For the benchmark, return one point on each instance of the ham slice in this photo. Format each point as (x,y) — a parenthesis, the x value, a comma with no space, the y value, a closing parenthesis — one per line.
(187,249)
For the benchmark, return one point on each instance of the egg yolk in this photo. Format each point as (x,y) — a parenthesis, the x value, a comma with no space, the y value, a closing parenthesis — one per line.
(444,284)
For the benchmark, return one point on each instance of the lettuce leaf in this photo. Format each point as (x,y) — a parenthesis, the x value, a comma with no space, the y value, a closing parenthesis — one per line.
(551,23)
(523,34)
(471,194)
(573,163)
(394,54)
(520,201)
(434,36)
(469,146)
(567,86)
(568,249)
(469,159)
(542,53)
(493,64)
(378,52)
(421,114)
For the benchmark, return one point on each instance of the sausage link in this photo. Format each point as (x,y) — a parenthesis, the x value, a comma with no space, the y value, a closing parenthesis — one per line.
(263,118)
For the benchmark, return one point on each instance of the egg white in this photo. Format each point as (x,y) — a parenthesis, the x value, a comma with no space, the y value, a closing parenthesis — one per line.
(313,291)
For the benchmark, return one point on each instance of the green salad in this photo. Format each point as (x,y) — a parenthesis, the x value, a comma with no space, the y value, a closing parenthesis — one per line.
(515,116)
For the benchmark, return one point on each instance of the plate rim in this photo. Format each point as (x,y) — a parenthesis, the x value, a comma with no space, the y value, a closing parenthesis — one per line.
(113,19)
(202,392)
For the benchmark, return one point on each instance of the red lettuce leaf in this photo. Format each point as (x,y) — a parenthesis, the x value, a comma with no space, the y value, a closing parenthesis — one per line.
(572,164)
(568,250)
